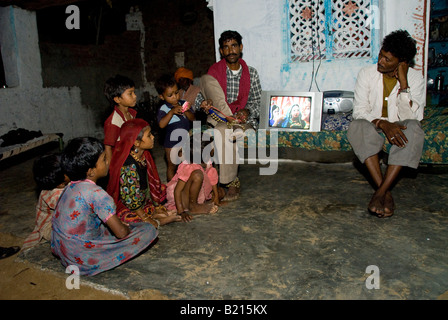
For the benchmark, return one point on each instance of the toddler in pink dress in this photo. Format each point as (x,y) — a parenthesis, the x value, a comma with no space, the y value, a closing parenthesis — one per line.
(194,188)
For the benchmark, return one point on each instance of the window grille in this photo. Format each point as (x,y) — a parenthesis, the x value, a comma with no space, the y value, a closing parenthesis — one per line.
(330,29)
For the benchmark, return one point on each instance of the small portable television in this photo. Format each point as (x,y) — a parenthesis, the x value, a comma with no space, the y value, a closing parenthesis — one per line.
(291,110)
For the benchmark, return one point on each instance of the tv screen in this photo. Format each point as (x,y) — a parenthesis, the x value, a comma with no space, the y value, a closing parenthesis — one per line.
(291,111)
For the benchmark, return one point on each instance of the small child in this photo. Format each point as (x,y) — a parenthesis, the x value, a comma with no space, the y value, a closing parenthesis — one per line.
(134,182)
(50,181)
(120,91)
(171,117)
(195,184)
(86,231)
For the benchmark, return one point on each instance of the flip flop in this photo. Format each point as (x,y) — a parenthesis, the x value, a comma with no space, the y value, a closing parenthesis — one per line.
(7,252)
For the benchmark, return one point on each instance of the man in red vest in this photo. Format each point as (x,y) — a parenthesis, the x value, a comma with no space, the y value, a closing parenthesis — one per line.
(232,85)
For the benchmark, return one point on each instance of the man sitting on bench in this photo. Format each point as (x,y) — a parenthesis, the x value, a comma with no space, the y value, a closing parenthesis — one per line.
(389,99)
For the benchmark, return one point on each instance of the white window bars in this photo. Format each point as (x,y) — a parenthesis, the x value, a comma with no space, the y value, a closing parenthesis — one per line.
(330,29)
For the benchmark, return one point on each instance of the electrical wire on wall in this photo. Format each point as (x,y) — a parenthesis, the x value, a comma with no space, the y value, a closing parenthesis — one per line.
(315,30)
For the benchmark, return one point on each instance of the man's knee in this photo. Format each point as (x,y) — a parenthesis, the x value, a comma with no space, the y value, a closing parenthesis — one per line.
(358,124)
(356,128)
(364,139)
(210,86)
(206,79)
(414,132)
(412,124)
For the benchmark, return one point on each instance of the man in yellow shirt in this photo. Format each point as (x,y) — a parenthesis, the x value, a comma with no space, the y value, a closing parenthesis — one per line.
(389,101)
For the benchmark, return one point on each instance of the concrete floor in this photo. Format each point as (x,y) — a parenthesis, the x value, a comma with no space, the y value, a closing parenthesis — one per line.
(303,233)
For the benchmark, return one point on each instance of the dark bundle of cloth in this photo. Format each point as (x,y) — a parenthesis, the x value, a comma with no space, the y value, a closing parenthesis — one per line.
(18,136)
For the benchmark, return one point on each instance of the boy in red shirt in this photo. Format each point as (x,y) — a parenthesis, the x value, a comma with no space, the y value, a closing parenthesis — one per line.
(120,91)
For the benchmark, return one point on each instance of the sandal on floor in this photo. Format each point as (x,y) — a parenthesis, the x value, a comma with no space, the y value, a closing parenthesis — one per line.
(7,252)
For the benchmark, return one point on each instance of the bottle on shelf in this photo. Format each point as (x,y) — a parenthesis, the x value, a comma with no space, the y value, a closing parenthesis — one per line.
(439,82)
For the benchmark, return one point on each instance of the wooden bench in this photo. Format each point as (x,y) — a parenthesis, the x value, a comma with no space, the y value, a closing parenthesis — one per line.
(9,151)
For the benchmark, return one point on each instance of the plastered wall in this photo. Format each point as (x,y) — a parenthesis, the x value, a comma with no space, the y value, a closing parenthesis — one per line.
(26,103)
(264,27)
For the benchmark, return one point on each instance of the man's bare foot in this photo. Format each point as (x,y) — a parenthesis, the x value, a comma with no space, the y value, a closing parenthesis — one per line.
(376,204)
(382,205)
(389,206)
(233,193)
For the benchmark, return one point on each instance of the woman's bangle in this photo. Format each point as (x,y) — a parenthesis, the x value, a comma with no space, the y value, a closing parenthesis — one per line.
(377,123)
(158,223)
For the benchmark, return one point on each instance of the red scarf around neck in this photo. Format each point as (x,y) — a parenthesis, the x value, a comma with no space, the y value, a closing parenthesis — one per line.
(219,72)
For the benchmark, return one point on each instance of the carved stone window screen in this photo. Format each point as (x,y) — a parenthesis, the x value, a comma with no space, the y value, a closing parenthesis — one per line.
(330,29)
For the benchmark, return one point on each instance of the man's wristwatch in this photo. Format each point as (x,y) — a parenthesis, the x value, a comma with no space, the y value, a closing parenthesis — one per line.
(406,90)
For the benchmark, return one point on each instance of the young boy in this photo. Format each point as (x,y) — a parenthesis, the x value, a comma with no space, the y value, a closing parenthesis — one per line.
(171,117)
(120,91)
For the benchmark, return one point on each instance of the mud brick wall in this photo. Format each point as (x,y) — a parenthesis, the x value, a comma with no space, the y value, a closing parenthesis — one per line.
(88,66)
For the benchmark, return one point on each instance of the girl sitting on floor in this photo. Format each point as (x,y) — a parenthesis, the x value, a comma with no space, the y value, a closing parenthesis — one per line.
(194,188)
(86,231)
(134,182)
(50,182)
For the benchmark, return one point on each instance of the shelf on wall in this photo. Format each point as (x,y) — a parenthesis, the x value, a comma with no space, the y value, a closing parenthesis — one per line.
(439,13)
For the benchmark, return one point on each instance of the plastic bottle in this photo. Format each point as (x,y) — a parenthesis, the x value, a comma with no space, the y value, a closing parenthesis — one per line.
(440,79)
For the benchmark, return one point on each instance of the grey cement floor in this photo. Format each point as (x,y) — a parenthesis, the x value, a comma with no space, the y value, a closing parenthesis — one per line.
(302,234)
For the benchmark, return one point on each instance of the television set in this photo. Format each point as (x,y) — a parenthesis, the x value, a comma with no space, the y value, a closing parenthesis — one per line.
(291,110)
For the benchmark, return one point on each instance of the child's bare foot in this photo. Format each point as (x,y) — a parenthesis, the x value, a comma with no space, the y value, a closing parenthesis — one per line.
(171,212)
(164,211)
(214,209)
(168,219)
(159,215)
(203,208)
